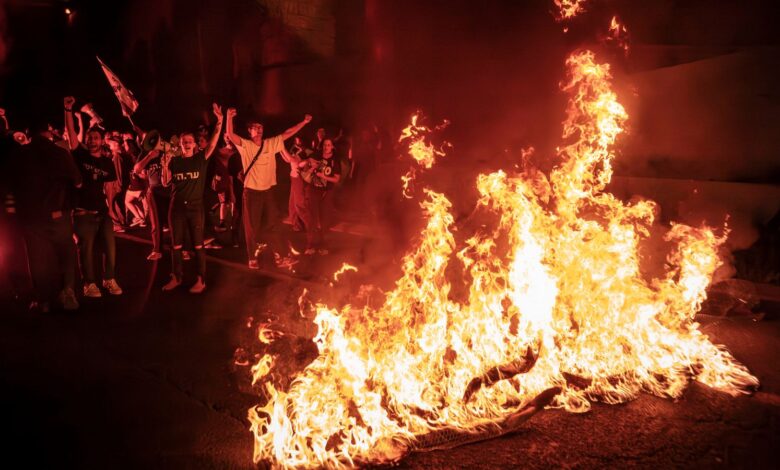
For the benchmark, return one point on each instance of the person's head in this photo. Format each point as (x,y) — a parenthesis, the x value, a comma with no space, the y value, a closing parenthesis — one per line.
(255,130)
(114,144)
(93,139)
(203,141)
(228,143)
(327,148)
(187,143)
(320,133)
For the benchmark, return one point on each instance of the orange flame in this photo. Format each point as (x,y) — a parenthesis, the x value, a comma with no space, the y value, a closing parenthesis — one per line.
(420,149)
(558,275)
(344,268)
(618,35)
(568,9)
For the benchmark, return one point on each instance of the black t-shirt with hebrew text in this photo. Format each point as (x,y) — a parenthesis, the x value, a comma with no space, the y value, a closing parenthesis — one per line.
(188,177)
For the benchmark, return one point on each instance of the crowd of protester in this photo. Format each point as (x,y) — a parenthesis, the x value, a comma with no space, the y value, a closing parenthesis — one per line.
(68,191)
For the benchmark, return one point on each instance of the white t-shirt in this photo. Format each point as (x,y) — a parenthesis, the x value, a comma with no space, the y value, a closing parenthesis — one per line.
(262,175)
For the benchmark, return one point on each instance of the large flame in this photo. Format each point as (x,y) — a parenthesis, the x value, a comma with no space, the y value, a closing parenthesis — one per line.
(558,275)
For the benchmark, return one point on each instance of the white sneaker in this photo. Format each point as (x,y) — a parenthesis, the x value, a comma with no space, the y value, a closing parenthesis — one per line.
(91,290)
(198,287)
(112,286)
(155,255)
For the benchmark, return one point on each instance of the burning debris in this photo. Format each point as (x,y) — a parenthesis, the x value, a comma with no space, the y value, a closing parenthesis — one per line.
(556,283)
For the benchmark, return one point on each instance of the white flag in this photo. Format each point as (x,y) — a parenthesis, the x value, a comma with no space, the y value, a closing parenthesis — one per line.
(125,96)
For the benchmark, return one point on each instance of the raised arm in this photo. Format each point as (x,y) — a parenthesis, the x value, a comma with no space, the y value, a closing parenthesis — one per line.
(294,129)
(165,175)
(81,126)
(231,135)
(290,158)
(73,141)
(217,129)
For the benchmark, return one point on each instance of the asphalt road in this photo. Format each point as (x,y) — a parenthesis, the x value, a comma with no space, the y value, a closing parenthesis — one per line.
(147,380)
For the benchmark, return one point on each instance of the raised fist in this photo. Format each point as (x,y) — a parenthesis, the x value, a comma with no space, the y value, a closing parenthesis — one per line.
(307,118)
(217,109)
(2,112)
(69,101)
(231,113)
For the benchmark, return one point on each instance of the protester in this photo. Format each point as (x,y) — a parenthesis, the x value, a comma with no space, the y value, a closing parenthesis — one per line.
(260,218)
(91,211)
(295,207)
(187,177)
(39,175)
(321,173)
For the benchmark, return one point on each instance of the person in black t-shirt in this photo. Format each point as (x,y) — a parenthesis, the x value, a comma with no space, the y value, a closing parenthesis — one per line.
(321,173)
(40,176)
(187,176)
(91,214)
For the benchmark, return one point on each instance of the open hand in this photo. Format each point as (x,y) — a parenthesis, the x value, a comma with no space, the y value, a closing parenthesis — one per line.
(217,109)
(231,113)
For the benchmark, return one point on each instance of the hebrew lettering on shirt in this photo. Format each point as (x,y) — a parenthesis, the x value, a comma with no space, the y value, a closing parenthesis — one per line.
(187,175)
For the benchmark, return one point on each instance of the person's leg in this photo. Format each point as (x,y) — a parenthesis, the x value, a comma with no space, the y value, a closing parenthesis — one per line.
(297,202)
(132,202)
(312,217)
(196,222)
(62,238)
(177,224)
(38,260)
(252,217)
(154,220)
(112,191)
(109,246)
(270,226)
(85,227)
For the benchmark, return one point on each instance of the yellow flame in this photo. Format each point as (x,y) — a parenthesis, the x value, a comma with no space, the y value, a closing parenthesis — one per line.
(568,9)
(618,35)
(557,272)
(344,268)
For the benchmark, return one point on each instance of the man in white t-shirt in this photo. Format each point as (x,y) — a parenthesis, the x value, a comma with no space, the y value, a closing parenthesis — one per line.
(258,159)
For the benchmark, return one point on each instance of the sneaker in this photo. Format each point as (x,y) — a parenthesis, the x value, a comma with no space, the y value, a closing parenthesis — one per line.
(119,229)
(112,286)
(214,245)
(309,251)
(68,299)
(172,284)
(166,229)
(186,256)
(253,264)
(136,223)
(91,290)
(155,255)
(220,228)
(198,287)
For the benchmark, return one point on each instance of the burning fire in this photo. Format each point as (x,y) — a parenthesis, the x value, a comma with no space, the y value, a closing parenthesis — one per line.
(420,149)
(553,291)
(568,9)
(618,35)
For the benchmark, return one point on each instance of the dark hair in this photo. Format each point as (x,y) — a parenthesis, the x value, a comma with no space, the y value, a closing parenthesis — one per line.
(97,129)
(187,133)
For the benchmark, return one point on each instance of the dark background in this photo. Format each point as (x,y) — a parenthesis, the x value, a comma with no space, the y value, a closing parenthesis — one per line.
(699,82)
